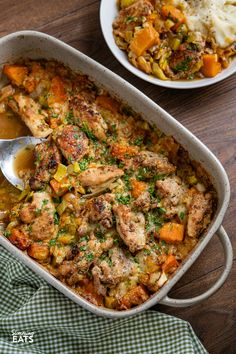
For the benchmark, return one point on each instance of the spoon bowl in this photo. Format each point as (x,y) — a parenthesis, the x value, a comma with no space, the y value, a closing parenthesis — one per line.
(8,151)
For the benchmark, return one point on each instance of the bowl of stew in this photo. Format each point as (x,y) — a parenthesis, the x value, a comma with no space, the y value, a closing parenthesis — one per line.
(114,209)
(171,44)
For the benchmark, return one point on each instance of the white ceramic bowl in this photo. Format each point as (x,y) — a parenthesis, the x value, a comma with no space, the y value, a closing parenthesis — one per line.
(108,12)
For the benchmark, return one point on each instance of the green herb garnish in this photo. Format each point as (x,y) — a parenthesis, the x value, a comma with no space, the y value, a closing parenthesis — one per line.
(183,65)
(89,257)
(56,218)
(123,199)
(88,132)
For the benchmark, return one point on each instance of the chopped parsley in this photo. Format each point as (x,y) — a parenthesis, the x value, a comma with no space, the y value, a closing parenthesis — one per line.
(89,257)
(83,248)
(84,239)
(56,218)
(83,164)
(52,242)
(143,173)
(54,115)
(37,211)
(88,132)
(152,191)
(7,233)
(69,117)
(182,215)
(138,141)
(154,221)
(123,199)
(131,19)
(126,178)
(44,202)
(183,65)
(99,233)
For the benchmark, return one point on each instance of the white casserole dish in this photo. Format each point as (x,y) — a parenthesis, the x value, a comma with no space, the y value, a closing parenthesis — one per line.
(30,44)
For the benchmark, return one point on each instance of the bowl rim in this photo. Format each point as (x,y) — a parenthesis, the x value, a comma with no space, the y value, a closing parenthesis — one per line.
(121,56)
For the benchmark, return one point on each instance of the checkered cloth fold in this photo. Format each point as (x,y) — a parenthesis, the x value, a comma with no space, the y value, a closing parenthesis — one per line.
(29,304)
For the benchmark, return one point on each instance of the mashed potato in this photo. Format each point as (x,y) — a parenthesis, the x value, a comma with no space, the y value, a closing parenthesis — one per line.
(213,18)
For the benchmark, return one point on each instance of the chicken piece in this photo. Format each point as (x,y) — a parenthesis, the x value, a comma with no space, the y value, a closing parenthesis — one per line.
(96,176)
(86,115)
(46,159)
(31,114)
(131,227)
(118,269)
(39,214)
(67,268)
(101,210)
(72,142)
(143,202)
(154,161)
(135,296)
(5,92)
(137,10)
(199,214)
(183,62)
(90,251)
(19,238)
(97,274)
(171,190)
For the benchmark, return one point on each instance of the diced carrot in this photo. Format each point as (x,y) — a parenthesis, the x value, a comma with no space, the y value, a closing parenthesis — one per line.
(57,92)
(172,232)
(170,264)
(211,67)
(54,123)
(108,103)
(171,12)
(59,188)
(138,187)
(15,73)
(19,239)
(144,39)
(123,152)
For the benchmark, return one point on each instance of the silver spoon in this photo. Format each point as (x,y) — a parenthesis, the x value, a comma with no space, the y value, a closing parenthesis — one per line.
(8,151)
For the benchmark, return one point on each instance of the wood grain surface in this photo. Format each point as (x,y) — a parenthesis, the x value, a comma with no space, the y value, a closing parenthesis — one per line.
(210,113)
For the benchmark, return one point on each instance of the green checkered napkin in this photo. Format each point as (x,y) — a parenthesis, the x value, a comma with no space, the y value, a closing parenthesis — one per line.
(29,304)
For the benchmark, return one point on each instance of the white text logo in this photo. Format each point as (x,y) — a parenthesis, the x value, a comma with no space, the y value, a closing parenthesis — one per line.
(22,337)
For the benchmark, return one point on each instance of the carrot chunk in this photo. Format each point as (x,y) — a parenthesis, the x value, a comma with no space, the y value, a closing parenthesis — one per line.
(138,187)
(15,73)
(170,264)
(123,152)
(57,92)
(59,188)
(172,232)
(171,12)
(211,67)
(144,39)
(108,103)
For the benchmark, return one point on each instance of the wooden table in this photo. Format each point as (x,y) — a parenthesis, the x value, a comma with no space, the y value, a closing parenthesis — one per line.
(210,113)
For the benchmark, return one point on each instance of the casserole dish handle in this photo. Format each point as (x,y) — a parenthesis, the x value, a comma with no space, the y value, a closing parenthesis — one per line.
(228,253)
